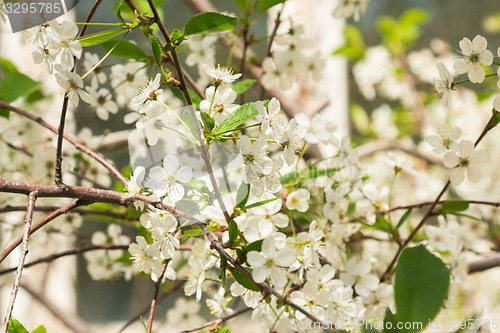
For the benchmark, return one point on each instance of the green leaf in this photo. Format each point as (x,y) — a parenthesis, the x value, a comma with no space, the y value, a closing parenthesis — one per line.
(242,279)
(260,203)
(195,98)
(16,327)
(254,246)
(421,286)
(454,206)
(177,37)
(155,45)
(188,120)
(266,4)
(223,268)
(243,86)
(100,37)
(208,122)
(220,330)
(209,22)
(242,4)
(239,116)
(124,49)
(14,85)
(192,232)
(403,218)
(242,195)
(496,61)
(233,231)
(40,329)
(118,11)
(391,323)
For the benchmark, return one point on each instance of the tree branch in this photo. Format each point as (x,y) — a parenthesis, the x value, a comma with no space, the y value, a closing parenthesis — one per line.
(62,121)
(154,301)
(78,145)
(481,265)
(217,322)
(24,252)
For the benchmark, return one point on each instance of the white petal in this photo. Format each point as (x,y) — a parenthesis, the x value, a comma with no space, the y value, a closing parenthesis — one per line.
(466,148)
(255,259)
(462,66)
(466,46)
(184,174)
(260,274)
(476,73)
(176,192)
(450,160)
(486,57)
(479,44)
(457,176)
(171,164)
(474,174)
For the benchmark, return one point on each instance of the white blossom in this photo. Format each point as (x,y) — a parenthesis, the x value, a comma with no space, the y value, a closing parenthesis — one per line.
(298,200)
(167,179)
(221,75)
(467,160)
(444,84)
(475,53)
(444,139)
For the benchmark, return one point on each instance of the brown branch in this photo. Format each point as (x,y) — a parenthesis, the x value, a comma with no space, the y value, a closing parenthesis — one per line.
(154,301)
(24,252)
(78,145)
(56,256)
(70,320)
(485,263)
(217,322)
(81,211)
(48,218)
(62,121)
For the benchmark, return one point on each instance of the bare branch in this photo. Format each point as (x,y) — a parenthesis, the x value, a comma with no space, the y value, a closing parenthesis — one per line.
(154,301)
(485,263)
(24,252)
(78,145)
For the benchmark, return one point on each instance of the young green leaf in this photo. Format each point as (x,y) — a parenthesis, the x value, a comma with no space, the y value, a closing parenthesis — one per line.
(454,206)
(16,327)
(209,22)
(124,49)
(403,218)
(233,231)
(239,116)
(192,232)
(242,86)
(421,286)
(266,4)
(101,37)
(155,45)
(242,279)
(242,195)
(14,85)
(40,329)
(208,122)
(188,120)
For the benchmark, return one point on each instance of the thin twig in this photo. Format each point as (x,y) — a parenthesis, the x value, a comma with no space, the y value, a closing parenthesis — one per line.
(154,301)
(217,322)
(47,219)
(24,252)
(62,121)
(485,263)
(70,320)
(78,145)
(72,252)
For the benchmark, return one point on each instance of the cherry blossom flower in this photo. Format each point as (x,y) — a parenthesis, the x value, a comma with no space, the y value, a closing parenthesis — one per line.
(135,186)
(251,298)
(145,257)
(165,180)
(72,85)
(475,53)
(298,200)
(148,96)
(265,182)
(65,37)
(89,61)
(351,8)
(218,305)
(255,155)
(101,101)
(221,105)
(444,84)
(274,120)
(444,139)
(358,274)
(126,78)
(221,75)
(269,263)
(467,160)
(290,140)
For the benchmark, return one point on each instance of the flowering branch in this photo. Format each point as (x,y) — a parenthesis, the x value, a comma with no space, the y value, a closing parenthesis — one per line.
(24,252)
(489,125)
